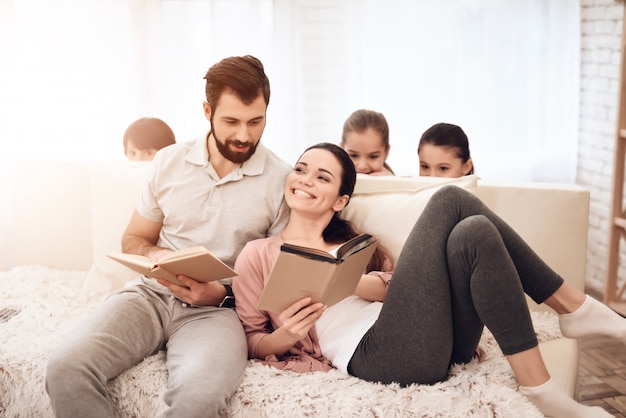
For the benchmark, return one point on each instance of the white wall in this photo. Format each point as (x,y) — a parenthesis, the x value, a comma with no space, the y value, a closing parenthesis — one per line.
(74,74)
(601,51)
(495,68)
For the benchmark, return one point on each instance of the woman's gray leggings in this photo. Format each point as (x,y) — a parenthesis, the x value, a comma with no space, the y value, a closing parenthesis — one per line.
(461,268)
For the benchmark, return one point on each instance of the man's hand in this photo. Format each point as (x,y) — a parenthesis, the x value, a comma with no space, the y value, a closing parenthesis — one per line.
(196,293)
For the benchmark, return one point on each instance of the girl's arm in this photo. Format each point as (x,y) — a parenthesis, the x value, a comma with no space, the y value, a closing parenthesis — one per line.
(383,172)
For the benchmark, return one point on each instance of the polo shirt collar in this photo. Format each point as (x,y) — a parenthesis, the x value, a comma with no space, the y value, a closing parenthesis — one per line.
(254,166)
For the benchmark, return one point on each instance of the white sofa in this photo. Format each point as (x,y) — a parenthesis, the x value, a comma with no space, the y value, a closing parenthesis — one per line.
(59,218)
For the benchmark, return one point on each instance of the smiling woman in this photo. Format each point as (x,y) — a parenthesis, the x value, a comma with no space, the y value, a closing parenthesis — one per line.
(74,73)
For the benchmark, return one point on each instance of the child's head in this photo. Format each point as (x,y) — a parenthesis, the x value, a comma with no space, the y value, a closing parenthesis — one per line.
(443,151)
(145,136)
(365,138)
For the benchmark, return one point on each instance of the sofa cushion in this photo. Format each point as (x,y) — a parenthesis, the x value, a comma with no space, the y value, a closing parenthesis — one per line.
(400,199)
(115,187)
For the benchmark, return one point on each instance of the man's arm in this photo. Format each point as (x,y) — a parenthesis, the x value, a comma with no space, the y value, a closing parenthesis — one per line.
(141,236)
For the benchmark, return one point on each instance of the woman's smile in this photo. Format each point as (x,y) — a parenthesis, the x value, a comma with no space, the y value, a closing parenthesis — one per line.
(299,192)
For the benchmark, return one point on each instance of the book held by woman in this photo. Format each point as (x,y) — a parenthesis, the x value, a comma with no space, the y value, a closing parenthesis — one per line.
(301,271)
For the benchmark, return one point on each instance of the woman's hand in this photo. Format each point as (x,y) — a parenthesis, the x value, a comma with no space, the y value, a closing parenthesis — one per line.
(297,321)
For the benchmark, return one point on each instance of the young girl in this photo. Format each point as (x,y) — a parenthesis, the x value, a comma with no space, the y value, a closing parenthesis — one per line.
(443,151)
(365,138)
(462,268)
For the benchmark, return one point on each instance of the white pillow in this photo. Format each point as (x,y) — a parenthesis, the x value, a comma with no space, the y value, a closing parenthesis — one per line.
(115,187)
(387,207)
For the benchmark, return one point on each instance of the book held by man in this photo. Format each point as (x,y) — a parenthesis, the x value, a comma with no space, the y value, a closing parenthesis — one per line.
(300,272)
(195,262)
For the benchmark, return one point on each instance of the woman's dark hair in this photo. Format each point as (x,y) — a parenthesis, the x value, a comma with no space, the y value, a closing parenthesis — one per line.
(340,230)
(447,135)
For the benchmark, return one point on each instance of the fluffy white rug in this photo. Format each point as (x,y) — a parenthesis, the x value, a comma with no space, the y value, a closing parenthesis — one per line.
(52,300)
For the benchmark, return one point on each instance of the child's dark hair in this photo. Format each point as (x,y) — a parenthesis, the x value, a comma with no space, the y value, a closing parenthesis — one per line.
(340,230)
(447,135)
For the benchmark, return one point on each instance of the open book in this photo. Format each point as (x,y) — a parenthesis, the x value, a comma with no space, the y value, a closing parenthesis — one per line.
(195,262)
(300,271)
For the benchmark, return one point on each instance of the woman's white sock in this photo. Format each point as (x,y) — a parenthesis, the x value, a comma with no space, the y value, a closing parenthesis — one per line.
(593,318)
(552,402)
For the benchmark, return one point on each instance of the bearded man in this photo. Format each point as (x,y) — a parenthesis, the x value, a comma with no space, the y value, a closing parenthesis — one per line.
(220,191)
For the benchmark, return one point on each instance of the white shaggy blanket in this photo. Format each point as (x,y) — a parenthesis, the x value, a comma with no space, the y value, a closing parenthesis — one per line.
(52,300)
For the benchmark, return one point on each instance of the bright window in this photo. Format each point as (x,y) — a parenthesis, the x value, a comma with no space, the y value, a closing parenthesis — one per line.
(74,74)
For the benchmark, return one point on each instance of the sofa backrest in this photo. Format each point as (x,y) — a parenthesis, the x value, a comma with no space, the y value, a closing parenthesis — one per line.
(53,213)
(551,218)
(45,214)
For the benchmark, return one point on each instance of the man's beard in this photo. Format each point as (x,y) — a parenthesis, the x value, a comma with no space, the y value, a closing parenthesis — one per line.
(234,156)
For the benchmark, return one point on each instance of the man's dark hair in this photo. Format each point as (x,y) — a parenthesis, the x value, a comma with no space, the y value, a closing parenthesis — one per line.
(244,76)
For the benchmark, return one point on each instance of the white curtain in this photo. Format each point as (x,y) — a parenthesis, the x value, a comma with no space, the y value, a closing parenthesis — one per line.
(75,73)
